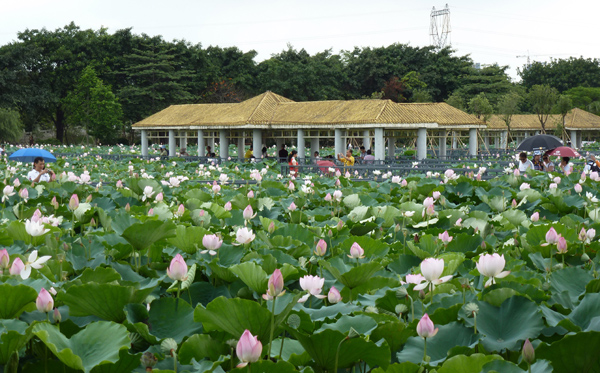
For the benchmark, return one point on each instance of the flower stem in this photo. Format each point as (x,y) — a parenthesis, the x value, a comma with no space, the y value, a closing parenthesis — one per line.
(425,350)
(337,354)
(272,327)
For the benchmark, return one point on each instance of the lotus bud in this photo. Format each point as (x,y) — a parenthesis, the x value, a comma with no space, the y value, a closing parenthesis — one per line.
(24,193)
(250,194)
(274,285)
(248,349)
(227,206)
(4,259)
(528,352)
(514,203)
(89,198)
(151,212)
(119,184)
(271,228)
(44,301)
(591,233)
(169,347)
(248,213)
(291,186)
(328,197)
(551,236)
(177,270)
(535,216)
(436,195)
(56,316)
(180,210)
(561,245)
(334,296)
(16,182)
(159,197)
(127,207)
(426,328)
(340,225)
(54,203)
(445,238)
(321,248)
(582,234)
(404,183)
(356,252)
(578,188)
(396,228)
(292,207)
(148,360)
(17,267)
(337,183)
(93,222)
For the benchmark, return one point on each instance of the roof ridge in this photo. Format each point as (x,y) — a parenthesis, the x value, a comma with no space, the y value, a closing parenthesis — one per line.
(257,106)
(383,107)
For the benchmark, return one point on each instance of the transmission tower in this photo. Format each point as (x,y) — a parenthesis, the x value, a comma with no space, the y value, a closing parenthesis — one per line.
(439,28)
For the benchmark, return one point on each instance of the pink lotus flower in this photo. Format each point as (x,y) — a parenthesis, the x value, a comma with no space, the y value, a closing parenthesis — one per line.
(414,279)
(561,245)
(432,269)
(127,207)
(557,180)
(244,235)
(321,248)
(248,349)
(328,197)
(535,216)
(44,301)
(458,222)
(337,195)
(74,202)
(292,207)
(4,260)
(356,252)
(404,183)
(274,286)
(551,236)
(211,243)
(17,182)
(180,211)
(491,266)
(248,213)
(578,188)
(24,194)
(177,270)
(445,237)
(227,206)
(514,203)
(159,197)
(425,327)
(428,202)
(17,267)
(291,186)
(151,212)
(216,188)
(251,194)
(552,186)
(517,172)
(334,296)
(119,184)
(436,195)
(525,186)
(312,284)
(271,228)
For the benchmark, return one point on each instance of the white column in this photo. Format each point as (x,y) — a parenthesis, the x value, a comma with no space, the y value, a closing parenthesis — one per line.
(379,145)
(144,143)
(486,140)
(421,143)
(201,144)
(391,147)
(301,145)
(171,143)
(223,145)
(367,139)
(338,144)
(504,140)
(579,139)
(257,143)
(497,139)
(573,139)
(473,142)
(183,141)
(454,140)
(241,146)
(443,138)
(314,146)
(526,135)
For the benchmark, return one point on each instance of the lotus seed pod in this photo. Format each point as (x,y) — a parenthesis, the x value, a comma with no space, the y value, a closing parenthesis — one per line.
(148,360)
(471,309)
(401,293)
(401,308)
(232,343)
(294,321)
(585,258)
(353,333)
(169,347)
(546,286)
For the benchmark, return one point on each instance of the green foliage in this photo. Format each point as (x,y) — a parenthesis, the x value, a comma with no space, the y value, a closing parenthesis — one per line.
(11,127)
(562,74)
(542,99)
(481,107)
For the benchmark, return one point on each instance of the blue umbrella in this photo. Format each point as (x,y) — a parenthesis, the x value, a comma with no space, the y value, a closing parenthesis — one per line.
(29,154)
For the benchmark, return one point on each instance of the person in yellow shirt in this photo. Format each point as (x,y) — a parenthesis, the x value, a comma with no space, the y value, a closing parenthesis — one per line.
(249,153)
(348,160)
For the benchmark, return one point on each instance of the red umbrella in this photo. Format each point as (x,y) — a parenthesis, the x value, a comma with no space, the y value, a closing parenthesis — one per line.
(564,151)
(325,165)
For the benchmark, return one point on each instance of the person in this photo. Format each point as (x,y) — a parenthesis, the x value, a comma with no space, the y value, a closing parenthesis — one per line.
(249,153)
(593,164)
(548,165)
(524,163)
(40,172)
(293,162)
(163,151)
(369,157)
(31,140)
(348,160)
(537,161)
(316,156)
(283,154)
(209,152)
(264,151)
(183,152)
(363,152)
(565,166)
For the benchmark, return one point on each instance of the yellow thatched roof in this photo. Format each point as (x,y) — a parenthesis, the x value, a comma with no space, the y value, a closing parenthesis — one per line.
(272,110)
(576,119)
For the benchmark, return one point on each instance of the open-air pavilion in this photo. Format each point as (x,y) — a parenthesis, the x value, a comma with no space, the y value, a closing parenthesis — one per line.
(372,123)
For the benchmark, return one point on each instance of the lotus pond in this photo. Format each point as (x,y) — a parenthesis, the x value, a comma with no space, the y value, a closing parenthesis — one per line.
(138,266)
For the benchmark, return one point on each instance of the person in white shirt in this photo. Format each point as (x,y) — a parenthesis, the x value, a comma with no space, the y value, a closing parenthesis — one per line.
(40,172)
(524,163)
(565,165)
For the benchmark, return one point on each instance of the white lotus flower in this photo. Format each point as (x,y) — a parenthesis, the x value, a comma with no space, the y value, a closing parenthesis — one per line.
(491,266)
(312,284)
(33,262)
(148,192)
(35,228)
(432,269)
(244,235)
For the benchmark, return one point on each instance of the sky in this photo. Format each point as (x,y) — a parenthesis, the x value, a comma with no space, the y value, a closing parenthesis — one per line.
(489,31)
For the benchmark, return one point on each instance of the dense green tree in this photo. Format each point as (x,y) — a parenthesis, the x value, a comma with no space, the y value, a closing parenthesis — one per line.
(542,99)
(562,74)
(481,107)
(508,105)
(457,101)
(563,105)
(301,77)
(586,98)
(93,105)
(491,80)
(11,127)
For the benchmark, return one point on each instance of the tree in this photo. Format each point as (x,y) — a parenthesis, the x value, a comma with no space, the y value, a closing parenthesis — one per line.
(585,98)
(562,74)
(507,107)
(421,95)
(491,80)
(542,99)
(92,105)
(563,105)
(456,100)
(481,107)
(11,127)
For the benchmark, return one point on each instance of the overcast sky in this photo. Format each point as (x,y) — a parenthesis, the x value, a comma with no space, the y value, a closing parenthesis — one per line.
(490,31)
